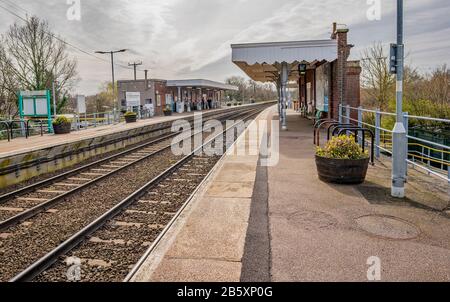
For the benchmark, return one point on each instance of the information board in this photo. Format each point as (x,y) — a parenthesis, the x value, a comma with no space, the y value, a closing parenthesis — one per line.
(133,99)
(35,104)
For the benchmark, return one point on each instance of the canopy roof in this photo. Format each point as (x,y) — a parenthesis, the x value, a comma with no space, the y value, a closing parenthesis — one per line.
(199,83)
(262,61)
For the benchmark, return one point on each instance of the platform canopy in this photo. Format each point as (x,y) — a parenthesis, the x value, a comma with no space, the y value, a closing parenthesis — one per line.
(262,61)
(198,83)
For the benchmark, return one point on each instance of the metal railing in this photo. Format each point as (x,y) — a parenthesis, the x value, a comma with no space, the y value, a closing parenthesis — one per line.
(22,128)
(421,152)
(10,129)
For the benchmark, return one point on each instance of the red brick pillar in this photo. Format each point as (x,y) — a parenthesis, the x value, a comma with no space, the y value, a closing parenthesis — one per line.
(343,54)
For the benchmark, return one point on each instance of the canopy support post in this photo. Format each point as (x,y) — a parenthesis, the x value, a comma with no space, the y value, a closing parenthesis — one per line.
(284,79)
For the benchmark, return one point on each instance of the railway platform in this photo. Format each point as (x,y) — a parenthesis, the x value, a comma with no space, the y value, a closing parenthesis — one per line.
(33,143)
(280,223)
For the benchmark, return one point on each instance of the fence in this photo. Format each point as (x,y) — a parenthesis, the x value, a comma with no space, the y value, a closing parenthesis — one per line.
(10,129)
(424,154)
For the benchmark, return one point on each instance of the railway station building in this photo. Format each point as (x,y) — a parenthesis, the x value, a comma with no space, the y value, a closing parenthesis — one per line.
(319,68)
(177,95)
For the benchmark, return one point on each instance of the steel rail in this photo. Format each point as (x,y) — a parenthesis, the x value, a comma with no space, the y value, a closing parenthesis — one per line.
(51,202)
(32,187)
(46,261)
(161,128)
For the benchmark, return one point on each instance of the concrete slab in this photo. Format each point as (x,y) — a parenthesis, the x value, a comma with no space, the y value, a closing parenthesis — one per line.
(231,189)
(237,171)
(197,270)
(208,224)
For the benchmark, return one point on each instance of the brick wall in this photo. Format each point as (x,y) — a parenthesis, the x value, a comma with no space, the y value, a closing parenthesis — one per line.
(160,90)
(353,87)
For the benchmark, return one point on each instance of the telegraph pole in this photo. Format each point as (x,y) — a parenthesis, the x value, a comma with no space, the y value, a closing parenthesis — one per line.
(135,64)
(400,140)
(116,106)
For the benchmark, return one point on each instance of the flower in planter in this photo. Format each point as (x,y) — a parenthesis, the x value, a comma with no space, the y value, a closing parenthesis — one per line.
(342,147)
(130,114)
(61,120)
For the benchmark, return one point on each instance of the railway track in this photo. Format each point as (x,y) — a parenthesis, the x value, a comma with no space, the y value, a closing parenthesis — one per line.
(90,219)
(26,202)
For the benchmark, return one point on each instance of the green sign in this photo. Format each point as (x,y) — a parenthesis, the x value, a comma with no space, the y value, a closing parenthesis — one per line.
(35,104)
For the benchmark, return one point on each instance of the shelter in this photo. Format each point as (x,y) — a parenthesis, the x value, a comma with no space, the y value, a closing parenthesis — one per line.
(321,69)
(189,93)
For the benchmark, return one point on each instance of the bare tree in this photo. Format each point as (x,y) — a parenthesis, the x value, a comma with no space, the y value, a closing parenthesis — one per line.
(102,101)
(32,57)
(250,90)
(439,86)
(377,82)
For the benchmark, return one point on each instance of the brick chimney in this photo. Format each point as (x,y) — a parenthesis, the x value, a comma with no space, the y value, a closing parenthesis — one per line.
(340,34)
(146,79)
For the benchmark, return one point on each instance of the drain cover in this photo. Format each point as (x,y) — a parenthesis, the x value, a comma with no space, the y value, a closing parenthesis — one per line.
(388,227)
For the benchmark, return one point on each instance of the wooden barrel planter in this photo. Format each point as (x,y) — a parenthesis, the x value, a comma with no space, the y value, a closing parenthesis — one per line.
(342,171)
(130,118)
(63,128)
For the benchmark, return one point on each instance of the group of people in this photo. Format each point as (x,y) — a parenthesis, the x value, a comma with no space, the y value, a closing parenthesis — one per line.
(203,104)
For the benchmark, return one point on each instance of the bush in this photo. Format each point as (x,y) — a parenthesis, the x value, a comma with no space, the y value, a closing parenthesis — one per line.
(235,104)
(342,147)
(129,113)
(229,104)
(60,120)
(239,103)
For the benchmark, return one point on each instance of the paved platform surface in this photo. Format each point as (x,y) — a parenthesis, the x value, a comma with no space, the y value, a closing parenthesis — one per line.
(280,223)
(20,145)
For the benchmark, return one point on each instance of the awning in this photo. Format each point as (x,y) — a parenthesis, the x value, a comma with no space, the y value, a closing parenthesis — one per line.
(262,61)
(199,83)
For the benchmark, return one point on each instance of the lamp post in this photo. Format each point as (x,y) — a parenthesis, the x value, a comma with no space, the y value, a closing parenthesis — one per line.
(112,68)
(400,140)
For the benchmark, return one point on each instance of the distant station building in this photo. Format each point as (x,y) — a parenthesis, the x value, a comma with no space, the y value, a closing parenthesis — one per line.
(176,95)
(319,68)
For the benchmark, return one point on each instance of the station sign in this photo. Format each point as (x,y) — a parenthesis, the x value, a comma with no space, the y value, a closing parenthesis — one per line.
(81,104)
(133,99)
(393,59)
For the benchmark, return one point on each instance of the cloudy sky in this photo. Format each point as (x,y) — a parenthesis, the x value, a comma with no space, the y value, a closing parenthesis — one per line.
(179,39)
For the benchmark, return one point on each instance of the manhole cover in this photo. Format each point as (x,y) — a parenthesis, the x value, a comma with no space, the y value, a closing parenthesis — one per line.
(388,227)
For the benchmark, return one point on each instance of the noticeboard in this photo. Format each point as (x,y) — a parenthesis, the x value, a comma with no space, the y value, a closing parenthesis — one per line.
(133,99)
(35,104)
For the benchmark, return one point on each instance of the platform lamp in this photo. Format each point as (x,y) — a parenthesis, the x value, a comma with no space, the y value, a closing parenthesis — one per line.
(302,72)
(302,69)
